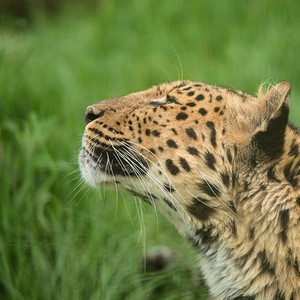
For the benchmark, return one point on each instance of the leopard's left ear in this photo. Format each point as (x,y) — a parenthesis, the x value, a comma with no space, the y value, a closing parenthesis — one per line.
(274,111)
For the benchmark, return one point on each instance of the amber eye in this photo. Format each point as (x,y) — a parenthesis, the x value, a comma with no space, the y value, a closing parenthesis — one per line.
(171,99)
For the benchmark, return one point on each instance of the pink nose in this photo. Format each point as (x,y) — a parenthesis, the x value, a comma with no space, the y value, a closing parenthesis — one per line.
(91,114)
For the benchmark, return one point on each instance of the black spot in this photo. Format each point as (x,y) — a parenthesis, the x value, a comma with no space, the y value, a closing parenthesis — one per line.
(210,160)
(289,176)
(192,150)
(95,130)
(279,296)
(298,200)
(147,131)
(225,179)
(195,242)
(184,164)
(216,109)
(244,298)
(232,206)
(219,98)
(190,93)
(200,209)
(155,133)
(171,144)
(284,216)
(251,233)
(200,97)
(294,151)
(130,128)
(168,188)
(108,138)
(211,126)
(271,141)
(209,189)
(174,170)
(170,204)
(229,156)
(292,296)
(174,130)
(202,111)
(191,104)
(183,108)
(187,88)
(151,196)
(296,267)
(141,196)
(140,140)
(181,116)
(160,148)
(265,263)
(246,185)
(271,174)
(293,263)
(191,133)
(207,236)
(152,150)
(233,229)
(118,123)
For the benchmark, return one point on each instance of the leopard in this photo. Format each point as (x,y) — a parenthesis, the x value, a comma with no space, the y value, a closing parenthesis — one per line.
(221,164)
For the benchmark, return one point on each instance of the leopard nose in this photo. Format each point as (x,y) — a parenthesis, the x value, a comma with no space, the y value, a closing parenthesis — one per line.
(92,114)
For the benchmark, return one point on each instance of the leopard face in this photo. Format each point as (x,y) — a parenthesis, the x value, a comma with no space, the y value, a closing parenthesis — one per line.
(222,165)
(163,145)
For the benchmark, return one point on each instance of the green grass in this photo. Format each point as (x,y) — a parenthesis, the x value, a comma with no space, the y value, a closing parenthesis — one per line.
(60,241)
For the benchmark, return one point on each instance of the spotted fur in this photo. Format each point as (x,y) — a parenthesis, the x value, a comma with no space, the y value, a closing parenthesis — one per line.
(222,165)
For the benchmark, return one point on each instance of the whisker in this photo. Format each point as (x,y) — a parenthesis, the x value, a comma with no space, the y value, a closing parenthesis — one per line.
(159,183)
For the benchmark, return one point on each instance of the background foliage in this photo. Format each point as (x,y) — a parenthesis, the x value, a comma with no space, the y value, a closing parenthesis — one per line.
(59,240)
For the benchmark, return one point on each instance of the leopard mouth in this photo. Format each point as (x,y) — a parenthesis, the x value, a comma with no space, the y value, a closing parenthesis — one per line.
(105,163)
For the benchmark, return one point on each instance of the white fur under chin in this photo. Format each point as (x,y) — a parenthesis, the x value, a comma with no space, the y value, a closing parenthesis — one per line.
(90,172)
(221,274)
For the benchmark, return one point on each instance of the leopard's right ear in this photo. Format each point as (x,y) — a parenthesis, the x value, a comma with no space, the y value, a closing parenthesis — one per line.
(261,121)
(273,113)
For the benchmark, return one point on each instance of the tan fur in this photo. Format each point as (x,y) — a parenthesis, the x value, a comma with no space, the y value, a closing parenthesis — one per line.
(222,165)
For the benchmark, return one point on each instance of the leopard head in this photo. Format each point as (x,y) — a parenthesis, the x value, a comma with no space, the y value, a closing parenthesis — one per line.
(185,147)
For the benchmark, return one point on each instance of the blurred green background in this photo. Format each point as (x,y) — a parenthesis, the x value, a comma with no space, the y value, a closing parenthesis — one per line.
(59,240)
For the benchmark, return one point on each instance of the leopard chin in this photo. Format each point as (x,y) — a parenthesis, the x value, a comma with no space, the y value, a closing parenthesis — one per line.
(90,170)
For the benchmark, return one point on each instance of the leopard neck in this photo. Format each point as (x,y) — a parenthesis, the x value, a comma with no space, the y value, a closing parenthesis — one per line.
(257,255)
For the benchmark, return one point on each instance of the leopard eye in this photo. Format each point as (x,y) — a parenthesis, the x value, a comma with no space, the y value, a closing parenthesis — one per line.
(171,99)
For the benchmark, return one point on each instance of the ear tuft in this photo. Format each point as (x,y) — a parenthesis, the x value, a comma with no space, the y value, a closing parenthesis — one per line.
(279,94)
